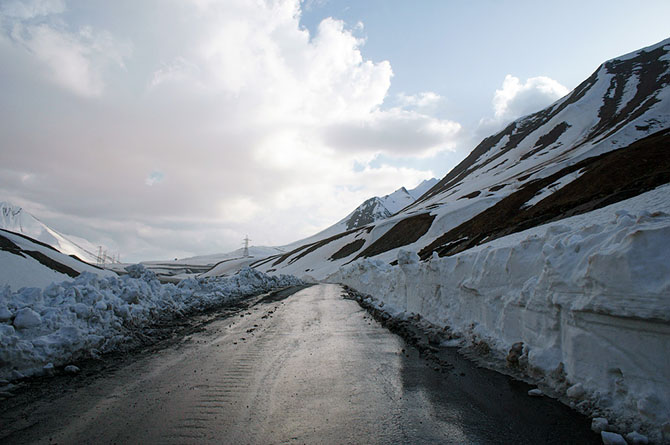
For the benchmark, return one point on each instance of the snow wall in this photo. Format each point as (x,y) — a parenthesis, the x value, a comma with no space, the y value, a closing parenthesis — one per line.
(589,297)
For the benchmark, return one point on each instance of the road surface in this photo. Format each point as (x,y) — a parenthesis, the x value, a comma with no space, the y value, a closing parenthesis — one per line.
(310,367)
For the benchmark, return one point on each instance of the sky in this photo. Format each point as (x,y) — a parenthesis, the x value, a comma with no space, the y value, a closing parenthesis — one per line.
(173,128)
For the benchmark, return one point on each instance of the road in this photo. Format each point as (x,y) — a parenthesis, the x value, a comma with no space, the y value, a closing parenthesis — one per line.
(310,367)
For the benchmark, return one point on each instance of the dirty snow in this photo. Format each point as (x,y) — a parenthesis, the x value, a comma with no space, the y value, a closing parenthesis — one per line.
(94,314)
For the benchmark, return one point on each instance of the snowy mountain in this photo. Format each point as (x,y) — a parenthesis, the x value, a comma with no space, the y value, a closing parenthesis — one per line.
(378,208)
(16,219)
(371,210)
(604,142)
(31,263)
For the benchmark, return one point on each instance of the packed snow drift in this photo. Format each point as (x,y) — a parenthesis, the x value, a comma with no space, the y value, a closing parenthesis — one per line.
(588,297)
(40,329)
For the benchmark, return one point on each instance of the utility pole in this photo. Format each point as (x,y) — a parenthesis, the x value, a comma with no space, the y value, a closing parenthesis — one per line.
(246,246)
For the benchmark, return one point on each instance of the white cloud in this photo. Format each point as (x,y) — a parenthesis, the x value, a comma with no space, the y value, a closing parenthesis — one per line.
(516,98)
(175,71)
(427,99)
(238,209)
(75,60)
(395,132)
(257,124)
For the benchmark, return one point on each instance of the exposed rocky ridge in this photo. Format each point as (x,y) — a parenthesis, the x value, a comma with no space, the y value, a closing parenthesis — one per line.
(370,211)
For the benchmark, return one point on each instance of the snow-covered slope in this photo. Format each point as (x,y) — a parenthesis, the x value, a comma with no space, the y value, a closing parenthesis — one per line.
(16,219)
(25,262)
(605,141)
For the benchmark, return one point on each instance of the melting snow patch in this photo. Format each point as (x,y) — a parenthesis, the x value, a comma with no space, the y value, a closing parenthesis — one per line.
(629,91)
(551,188)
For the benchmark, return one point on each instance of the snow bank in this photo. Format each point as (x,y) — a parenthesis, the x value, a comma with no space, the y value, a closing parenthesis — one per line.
(94,314)
(589,297)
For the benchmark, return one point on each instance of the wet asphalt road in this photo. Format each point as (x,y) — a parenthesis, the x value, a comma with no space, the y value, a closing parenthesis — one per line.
(310,368)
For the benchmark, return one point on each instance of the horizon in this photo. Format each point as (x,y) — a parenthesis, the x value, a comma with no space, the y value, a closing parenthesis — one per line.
(160,143)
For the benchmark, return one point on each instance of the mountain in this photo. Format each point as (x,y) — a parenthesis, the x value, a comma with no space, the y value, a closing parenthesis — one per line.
(605,141)
(371,210)
(16,219)
(27,262)
(378,208)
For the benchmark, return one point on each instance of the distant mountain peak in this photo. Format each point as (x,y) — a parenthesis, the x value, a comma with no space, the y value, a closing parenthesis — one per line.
(378,208)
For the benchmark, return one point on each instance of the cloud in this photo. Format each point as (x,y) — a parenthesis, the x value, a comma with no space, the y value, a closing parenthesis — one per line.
(427,99)
(175,71)
(75,60)
(516,98)
(394,132)
(261,127)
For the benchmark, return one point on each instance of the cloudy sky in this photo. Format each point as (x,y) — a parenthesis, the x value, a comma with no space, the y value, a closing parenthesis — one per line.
(170,128)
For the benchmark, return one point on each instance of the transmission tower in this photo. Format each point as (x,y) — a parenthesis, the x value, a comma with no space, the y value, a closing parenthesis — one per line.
(246,246)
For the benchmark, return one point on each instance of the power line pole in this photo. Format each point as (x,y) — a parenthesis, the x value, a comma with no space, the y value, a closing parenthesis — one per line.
(246,246)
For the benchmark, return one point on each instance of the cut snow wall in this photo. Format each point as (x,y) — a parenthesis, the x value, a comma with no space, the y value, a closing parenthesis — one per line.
(589,295)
